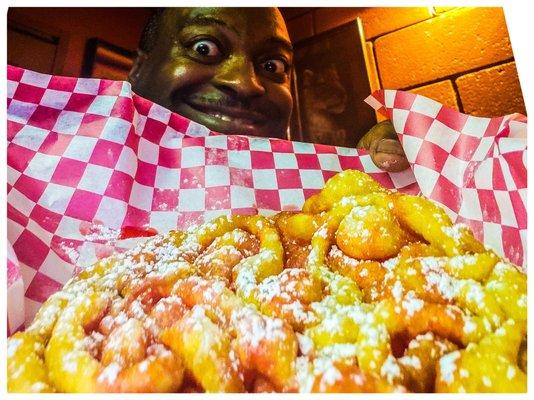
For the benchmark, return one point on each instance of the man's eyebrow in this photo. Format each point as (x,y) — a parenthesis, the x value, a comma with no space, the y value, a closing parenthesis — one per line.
(286,44)
(203,20)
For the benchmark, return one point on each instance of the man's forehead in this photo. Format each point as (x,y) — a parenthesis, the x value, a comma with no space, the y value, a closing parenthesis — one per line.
(267,21)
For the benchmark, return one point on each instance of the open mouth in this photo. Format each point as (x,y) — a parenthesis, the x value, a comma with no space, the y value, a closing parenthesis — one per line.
(228,118)
(233,116)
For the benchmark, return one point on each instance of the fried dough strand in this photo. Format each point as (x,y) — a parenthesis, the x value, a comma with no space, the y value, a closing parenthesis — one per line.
(364,290)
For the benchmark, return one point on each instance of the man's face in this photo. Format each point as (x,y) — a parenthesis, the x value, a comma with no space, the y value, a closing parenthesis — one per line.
(226,68)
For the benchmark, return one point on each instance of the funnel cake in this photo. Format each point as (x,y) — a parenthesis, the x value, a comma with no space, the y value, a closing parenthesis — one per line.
(364,290)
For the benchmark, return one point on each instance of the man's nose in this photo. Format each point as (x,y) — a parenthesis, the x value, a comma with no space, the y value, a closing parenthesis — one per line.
(238,76)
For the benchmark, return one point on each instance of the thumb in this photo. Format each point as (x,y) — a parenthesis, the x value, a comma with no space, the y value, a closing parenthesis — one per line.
(388,155)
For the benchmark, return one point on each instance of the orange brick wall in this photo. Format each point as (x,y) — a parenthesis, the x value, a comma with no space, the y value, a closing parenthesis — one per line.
(459,56)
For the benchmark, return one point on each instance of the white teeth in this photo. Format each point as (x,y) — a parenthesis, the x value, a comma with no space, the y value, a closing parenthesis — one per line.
(226,118)
(223,117)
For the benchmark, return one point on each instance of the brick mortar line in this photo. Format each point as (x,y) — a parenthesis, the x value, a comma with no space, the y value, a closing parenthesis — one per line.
(403,27)
(452,77)
(373,40)
(455,9)
(458,97)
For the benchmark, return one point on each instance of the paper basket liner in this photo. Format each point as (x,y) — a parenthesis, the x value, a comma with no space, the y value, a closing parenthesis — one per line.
(87,157)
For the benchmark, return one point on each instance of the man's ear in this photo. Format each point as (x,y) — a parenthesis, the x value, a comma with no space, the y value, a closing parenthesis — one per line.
(133,75)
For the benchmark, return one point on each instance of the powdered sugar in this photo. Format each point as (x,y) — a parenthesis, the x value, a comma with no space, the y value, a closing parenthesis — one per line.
(390,369)
(447,366)
(411,304)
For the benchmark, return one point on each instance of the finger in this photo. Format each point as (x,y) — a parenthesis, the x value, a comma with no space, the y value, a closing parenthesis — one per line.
(388,155)
(390,162)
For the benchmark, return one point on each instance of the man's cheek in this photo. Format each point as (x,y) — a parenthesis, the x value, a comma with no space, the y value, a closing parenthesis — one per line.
(286,101)
(280,98)
(281,104)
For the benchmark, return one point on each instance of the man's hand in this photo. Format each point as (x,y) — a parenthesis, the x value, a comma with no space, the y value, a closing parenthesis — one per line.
(384,147)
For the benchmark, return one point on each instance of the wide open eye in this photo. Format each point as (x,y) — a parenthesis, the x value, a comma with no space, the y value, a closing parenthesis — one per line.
(206,48)
(275,66)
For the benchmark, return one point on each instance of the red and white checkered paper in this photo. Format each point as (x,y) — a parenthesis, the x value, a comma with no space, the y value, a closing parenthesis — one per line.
(475,167)
(87,157)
